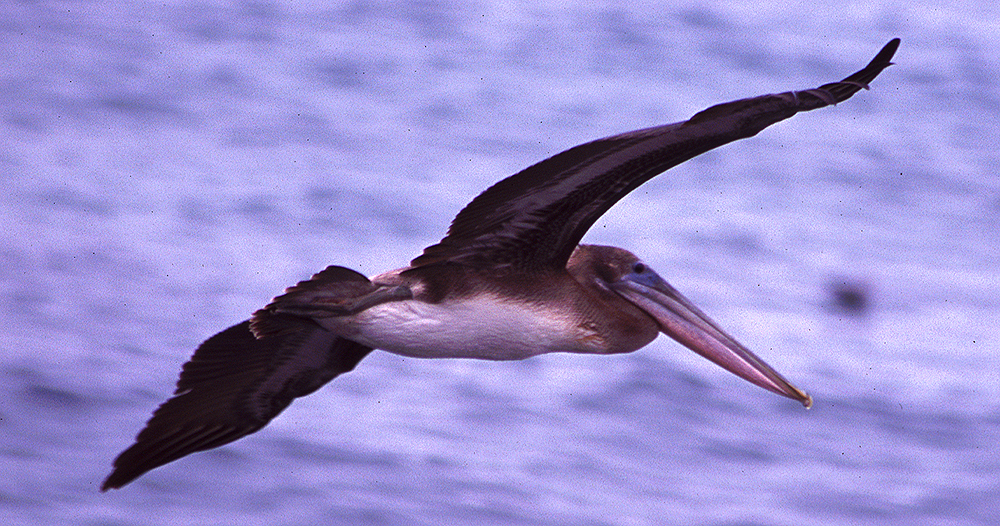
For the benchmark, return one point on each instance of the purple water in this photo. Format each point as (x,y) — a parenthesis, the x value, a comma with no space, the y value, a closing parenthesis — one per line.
(168,167)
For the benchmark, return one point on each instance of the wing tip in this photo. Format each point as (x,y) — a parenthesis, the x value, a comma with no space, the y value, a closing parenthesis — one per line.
(120,477)
(834,92)
(888,51)
(155,447)
(882,60)
(114,481)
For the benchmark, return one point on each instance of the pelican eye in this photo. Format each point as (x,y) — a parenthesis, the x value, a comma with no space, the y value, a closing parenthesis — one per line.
(638,267)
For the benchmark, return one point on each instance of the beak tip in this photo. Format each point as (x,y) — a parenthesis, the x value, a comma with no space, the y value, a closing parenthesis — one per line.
(807,401)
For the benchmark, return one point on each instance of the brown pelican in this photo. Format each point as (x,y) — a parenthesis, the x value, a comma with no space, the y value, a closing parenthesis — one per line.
(508,281)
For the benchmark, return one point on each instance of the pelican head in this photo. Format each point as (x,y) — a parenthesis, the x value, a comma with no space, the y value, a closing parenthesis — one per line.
(629,277)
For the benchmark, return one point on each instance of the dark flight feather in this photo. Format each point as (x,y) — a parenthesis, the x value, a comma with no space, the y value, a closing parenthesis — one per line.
(233,386)
(533,220)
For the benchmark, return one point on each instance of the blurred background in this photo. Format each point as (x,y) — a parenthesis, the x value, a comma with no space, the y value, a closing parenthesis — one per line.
(168,167)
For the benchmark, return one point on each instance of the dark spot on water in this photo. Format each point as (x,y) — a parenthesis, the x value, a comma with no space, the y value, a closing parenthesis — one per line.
(227,80)
(702,17)
(26,121)
(53,398)
(434,19)
(620,28)
(257,208)
(197,211)
(342,72)
(441,110)
(142,107)
(850,296)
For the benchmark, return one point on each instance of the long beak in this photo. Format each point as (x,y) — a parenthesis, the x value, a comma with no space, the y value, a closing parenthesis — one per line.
(682,321)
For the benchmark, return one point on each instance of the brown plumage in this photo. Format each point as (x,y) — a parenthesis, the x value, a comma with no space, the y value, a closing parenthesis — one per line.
(508,281)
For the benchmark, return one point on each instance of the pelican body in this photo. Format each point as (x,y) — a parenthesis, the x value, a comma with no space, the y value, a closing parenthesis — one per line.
(508,281)
(468,314)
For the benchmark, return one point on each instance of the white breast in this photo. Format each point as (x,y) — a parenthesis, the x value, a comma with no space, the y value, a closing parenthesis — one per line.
(486,327)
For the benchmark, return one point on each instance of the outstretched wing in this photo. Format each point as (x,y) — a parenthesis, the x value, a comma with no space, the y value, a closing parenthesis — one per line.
(534,219)
(233,386)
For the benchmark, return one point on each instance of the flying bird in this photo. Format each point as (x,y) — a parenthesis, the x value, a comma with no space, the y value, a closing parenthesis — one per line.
(508,281)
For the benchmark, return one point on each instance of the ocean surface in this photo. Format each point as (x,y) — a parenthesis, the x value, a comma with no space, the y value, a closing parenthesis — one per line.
(168,167)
